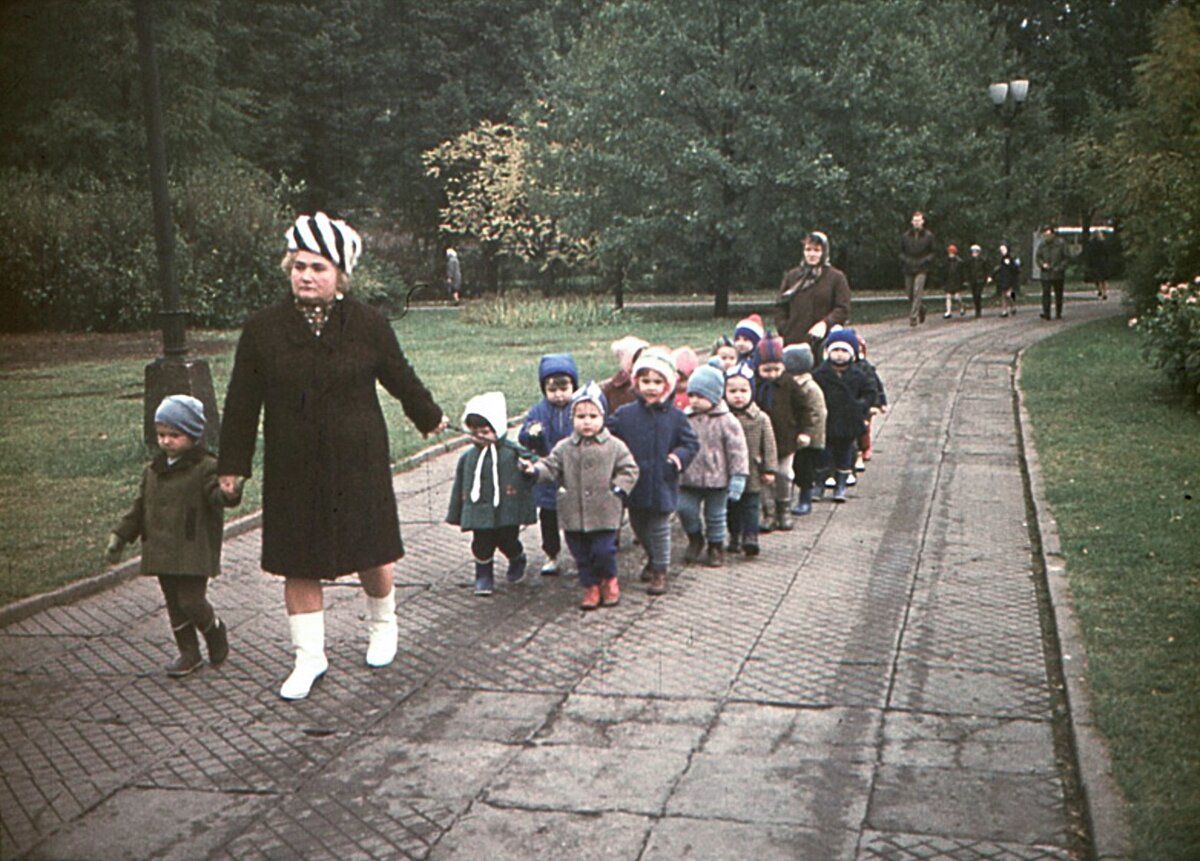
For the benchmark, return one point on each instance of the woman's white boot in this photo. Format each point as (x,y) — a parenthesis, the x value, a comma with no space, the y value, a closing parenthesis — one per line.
(308,636)
(381,621)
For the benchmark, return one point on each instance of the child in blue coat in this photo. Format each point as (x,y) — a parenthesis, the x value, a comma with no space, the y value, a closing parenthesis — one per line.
(663,444)
(546,423)
(849,395)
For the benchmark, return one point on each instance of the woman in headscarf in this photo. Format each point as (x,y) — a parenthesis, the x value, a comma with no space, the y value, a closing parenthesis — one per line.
(813,297)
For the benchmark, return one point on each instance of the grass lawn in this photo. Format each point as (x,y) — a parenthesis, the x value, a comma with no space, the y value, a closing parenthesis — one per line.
(1121,462)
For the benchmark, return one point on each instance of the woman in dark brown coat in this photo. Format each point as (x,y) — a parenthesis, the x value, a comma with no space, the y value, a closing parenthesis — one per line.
(813,297)
(309,364)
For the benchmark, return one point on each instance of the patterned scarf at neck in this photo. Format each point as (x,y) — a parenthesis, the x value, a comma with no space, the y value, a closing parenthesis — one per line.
(316,316)
(808,278)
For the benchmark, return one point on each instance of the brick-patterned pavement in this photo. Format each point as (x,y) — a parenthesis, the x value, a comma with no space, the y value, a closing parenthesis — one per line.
(874,686)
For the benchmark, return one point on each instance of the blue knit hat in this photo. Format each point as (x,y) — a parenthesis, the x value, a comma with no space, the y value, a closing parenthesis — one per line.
(845,339)
(707,382)
(746,372)
(182,412)
(751,327)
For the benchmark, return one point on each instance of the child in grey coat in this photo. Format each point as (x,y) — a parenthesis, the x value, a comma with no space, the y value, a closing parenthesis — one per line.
(595,472)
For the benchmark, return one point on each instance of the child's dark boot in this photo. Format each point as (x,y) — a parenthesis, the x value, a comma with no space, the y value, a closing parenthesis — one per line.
(189,659)
(839,489)
(750,545)
(658,582)
(516,568)
(783,521)
(715,557)
(217,640)
(735,543)
(485,580)
(695,547)
(803,505)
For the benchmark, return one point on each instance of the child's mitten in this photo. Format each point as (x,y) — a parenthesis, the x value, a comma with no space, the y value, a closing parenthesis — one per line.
(116,544)
(737,485)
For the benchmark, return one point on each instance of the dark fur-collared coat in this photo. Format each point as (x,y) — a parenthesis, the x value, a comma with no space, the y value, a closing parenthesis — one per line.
(328,504)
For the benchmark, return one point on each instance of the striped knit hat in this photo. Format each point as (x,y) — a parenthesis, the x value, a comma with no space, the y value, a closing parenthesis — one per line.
(333,239)
(751,327)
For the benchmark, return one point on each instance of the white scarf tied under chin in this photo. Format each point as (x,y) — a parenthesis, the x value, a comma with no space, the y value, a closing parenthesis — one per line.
(477,484)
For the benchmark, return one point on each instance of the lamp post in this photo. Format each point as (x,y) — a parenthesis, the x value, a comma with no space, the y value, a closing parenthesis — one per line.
(1008,99)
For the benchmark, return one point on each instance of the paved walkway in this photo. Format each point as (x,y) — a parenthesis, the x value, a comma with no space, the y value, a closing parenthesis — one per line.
(877,685)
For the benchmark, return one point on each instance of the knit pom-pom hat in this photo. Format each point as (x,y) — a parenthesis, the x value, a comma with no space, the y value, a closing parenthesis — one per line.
(751,327)
(844,341)
(686,361)
(332,238)
(770,350)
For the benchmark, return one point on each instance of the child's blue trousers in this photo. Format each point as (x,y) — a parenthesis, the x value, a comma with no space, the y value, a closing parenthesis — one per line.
(653,530)
(743,517)
(714,501)
(595,555)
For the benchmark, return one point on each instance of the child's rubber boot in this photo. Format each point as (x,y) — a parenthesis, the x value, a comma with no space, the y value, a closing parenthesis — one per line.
(803,505)
(695,547)
(189,659)
(783,521)
(485,580)
(658,582)
(384,631)
(217,639)
(839,490)
(610,592)
(308,637)
(750,546)
(516,568)
(735,543)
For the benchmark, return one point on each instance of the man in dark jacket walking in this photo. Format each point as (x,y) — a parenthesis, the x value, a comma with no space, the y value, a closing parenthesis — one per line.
(1051,259)
(918,247)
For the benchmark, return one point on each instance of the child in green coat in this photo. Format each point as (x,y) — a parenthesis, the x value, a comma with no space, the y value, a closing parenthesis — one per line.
(491,497)
(179,515)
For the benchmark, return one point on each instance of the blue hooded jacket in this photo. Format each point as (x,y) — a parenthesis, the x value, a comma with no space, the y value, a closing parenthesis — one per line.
(652,431)
(555,421)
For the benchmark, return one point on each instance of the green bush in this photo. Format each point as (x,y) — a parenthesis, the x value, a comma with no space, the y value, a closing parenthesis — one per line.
(84,258)
(1172,335)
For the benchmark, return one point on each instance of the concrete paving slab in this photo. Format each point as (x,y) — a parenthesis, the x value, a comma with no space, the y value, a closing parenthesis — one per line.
(630,722)
(505,834)
(718,840)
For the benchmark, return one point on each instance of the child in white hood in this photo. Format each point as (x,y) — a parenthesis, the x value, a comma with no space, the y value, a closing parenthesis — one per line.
(492,497)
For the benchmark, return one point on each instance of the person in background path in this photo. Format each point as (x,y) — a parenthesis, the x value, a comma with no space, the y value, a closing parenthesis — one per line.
(1051,259)
(810,427)
(976,276)
(779,397)
(1098,262)
(596,472)
(743,515)
(453,276)
(663,444)
(718,473)
(849,394)
(179,515)
(546,423)
(619,389)
(1007,277)
(310,365)
(918,248)
(954,282)
(813,297)
(686,362)
(491,497)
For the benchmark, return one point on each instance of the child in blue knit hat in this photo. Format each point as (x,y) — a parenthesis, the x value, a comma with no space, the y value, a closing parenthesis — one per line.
(718,473)
(849,395)
(179,515)
(546,423)
(746,335)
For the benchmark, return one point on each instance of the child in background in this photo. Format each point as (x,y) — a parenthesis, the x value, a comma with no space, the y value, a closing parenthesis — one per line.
(597,472)
(746,337)
(618,389)
(977,276)
(491,497)
(686,361)
(810,429)
(1007,276)
(717,475)
(179,515)
(849,394)
(879,407)
(954,282)
(779,397)
(663,444)
(743,514)
(545,424)
(724,351)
